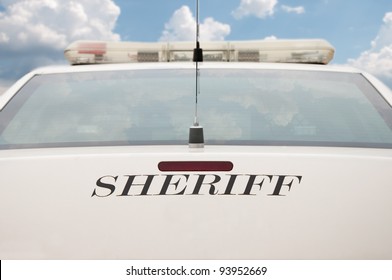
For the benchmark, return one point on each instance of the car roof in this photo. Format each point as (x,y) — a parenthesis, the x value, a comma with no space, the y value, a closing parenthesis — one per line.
(184,65)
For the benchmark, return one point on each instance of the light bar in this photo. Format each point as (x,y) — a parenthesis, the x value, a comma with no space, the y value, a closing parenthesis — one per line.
(316,51)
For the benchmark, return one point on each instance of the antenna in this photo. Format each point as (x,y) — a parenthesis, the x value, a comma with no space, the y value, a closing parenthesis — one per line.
(196,136)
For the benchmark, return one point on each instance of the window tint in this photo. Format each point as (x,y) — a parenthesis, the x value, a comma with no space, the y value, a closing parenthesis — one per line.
(247,107)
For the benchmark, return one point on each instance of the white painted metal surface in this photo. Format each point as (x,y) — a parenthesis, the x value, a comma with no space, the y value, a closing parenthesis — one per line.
(336,207)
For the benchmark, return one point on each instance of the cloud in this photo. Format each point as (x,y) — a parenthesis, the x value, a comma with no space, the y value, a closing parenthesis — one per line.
(55,23)
(182,27)
(258,8)
(378,59)
(35,32)
(271,38)
(295,10)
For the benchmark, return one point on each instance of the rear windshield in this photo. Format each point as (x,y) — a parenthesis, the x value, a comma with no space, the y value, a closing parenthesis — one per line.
(235,107)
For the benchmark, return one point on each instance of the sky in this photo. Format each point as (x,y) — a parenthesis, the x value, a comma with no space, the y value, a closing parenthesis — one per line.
(34,33)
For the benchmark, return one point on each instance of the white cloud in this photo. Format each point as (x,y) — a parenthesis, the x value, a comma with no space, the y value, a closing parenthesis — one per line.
(384,36)
(378,59)
(182,27)
(53,24)
(295,10)
(211,30)
(271,38)
(258,8)
(34,33)
(4,38)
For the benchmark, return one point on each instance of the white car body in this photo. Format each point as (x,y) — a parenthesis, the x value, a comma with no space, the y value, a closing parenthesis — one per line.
(114,202)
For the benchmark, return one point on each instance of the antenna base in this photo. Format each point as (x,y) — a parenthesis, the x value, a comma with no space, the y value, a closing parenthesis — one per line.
(198,54)
(196,137)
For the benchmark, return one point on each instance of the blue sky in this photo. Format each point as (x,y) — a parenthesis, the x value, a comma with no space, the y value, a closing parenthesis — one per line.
(34,33)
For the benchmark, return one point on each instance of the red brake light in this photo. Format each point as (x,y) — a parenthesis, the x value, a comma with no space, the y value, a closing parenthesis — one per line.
(176,166)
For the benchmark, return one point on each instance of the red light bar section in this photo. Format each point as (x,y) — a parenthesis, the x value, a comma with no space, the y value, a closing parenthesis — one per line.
(92,48)
(195,166)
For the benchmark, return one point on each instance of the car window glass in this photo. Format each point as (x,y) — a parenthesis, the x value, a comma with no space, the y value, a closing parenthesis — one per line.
(238,106)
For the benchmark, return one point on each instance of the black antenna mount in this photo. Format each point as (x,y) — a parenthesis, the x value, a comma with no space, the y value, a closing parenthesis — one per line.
(198,53)
(196,135)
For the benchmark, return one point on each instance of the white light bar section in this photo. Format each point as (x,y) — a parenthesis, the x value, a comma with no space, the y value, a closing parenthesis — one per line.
(316,51)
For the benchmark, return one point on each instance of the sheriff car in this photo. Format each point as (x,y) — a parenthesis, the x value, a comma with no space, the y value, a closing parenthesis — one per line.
(263,152)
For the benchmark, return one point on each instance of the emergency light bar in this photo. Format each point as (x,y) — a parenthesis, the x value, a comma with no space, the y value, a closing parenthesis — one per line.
(316,51)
